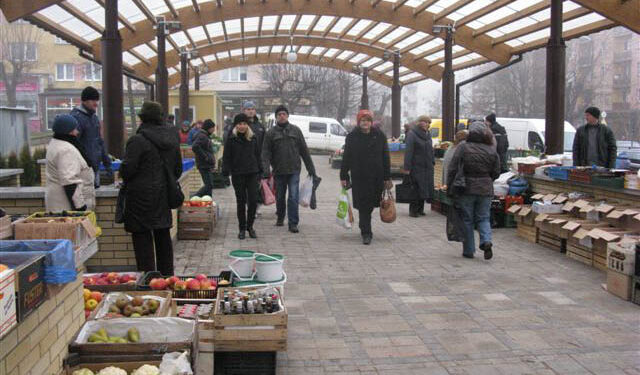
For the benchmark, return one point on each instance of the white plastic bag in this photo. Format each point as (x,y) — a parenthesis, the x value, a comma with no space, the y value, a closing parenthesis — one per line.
(344,217)
(175,364)
(306,190)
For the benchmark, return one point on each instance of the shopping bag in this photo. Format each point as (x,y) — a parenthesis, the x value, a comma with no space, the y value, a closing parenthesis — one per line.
(344,217)
(387,207)
(455,227)
(407,191)
(268,196)
(306,190)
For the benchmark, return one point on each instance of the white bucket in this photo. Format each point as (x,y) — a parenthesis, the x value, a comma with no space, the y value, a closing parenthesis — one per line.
(269,267)
(242,264)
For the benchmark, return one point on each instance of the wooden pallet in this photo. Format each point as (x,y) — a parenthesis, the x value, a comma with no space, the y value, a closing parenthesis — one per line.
(237,333)
(527,232)
(580,253)
(195,223)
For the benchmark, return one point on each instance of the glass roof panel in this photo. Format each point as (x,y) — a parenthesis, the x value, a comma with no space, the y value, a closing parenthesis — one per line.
(304,49)
(581,21)
(129,58)
(475,24)
(180,38)
(368,62)
(263,49)
(496,15)
(519,5)
(436,55)
(236,52)
(514,43)
(381,67)
(516,25)
(323,23)
(209,58)
(344,55)
(128,9)
(233,26)
(215,29)
(342,23)
(358,27)
(305,22)
(543,14)
(197,33)
(410,76)
(359,58)
(172,71)
(156,7)
(286,22)
(410,40)
(269,22)
(277,49)
(145,51)
(569,5)
(534,36)
(330,53)
(222,55)
(394,34)
(379,28)
(251,24)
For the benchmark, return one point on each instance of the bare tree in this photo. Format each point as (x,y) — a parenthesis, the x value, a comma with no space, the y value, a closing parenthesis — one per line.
(18,54)
(292,83)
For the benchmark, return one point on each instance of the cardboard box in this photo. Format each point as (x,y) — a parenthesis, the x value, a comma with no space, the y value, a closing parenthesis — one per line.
(619,284)
(79,230)
(6,230)
(29,281)
(621,256)
(8,313)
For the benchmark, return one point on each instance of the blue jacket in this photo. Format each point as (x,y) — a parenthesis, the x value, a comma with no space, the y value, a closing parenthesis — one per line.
(90,138)
(192,135)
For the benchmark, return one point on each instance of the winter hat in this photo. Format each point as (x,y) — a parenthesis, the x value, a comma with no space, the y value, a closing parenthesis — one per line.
(208,124)
(424,118)
(241,117)
(281,108)
(248,104)
(151,112)
(491,118)
(364,113)
(89,93)
(593,111)
(186,123)
(477,127)
(64,124)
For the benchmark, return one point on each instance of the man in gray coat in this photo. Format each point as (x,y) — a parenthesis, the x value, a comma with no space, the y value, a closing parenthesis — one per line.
(418,164)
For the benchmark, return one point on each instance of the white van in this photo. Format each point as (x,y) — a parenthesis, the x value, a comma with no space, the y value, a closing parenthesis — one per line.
(320,133)
(528,133)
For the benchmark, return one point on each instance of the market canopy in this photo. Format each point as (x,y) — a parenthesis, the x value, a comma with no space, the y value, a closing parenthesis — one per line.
(342,34)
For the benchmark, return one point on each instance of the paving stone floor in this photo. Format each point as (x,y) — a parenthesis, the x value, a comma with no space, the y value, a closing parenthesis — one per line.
(410,304)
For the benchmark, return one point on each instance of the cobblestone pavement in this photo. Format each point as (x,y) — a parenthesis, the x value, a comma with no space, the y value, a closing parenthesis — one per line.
(410,304)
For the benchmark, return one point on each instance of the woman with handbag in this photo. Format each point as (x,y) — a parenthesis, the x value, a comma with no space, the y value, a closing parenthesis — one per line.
(418,164)
(473,168)
(149,169)
(241,160)
(366,167)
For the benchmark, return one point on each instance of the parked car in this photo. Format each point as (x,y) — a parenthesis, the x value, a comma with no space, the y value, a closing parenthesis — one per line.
(320,133)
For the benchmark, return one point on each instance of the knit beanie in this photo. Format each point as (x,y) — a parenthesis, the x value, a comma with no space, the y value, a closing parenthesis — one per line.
(89,93)
(248,104)
(240,117)
(208,124)
(593,111)
(281,108)
(364,113)
(477,126)
(424,118)
(64,124)
(491,118)
(151,112)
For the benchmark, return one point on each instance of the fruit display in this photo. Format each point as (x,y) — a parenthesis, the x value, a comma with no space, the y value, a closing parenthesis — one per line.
(61,214)
(204,201)
(113,370)
(3,267)
(101,336)
(91,300)
(110,278)
(200,282)
(135,307)
(190,311)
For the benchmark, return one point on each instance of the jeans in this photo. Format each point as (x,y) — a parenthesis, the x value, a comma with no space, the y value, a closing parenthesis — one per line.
(475,210)
(246,188)
(149,260)
(364,220)
(96,180)
(207,180)
(282,182)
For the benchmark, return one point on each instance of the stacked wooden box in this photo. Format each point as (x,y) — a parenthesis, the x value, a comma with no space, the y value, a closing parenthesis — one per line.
(195,223)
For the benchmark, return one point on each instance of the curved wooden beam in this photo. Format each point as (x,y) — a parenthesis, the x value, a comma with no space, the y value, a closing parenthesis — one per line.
(236,41)
(626,13)
(277,58)
(404,16)
(13,9)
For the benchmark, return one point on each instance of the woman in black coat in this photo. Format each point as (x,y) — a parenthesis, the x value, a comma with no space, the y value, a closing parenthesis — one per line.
(419,162)
(146,214)
(366,157)
(241,160)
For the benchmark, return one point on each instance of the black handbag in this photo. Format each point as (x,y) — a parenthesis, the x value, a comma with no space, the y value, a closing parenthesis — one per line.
(455,226)
(407,191)
(120,204)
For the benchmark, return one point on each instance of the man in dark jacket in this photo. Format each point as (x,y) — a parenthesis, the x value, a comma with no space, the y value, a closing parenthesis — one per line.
(146,214)
(594,143)
(89,129)
(205,159)
(419,163)
(283,147)
(502,141)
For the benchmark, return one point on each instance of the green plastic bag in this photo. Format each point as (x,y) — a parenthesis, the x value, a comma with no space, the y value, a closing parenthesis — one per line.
(344,216)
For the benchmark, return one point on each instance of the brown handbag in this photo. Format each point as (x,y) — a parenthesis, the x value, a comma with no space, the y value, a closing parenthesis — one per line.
(387,207)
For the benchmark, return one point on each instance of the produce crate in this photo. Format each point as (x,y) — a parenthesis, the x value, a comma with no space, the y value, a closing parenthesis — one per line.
(436,206)
(8,313)
(250,332)
(6,229)
(220,181)
(552,241)
(195,223)
(580,253)
(77,214)
(163,310)
(580,175)
(608,181)
(510,221)
(74,364)
(242,363)
(29,281)
(527,168)
(79,230)
(130,286)
(143,284)
(84,252)
(559,173)
(527,232)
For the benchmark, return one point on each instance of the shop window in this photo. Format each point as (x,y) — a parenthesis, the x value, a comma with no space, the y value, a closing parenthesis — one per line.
(238,74)
(24,51)
(58,105)
(92,72)
(190,117)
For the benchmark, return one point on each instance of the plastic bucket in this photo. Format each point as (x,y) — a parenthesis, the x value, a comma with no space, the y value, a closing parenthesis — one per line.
(242,264)
(269,267)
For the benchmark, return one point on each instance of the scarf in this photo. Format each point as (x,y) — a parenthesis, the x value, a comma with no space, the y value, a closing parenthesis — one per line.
(74,141)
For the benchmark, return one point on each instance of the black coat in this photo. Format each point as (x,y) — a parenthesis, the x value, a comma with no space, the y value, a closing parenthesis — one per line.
(143,172)
(366,157)
(90,138)
(480,163)
(607,149)
(241,156)
(502,144)
(282,149)
(203,150)
(418,158)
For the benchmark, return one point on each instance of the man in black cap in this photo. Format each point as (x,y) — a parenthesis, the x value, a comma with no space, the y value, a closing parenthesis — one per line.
(594,142)
(90,135)
(282,149)
(502,142)
(205,159)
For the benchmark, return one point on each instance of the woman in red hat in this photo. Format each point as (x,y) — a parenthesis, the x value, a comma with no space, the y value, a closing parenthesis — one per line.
(365,166)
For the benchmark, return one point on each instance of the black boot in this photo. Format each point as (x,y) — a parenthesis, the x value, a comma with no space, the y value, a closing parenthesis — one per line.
(252,233)
(486,247)
(293,228)
(241,235)
(366,238)
(280,222)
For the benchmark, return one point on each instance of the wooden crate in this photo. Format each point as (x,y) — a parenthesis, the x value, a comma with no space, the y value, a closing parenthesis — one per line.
(195,223)
(551,241)
(6,230)
(580,253)
(527,232)
(162,311)
(249,332)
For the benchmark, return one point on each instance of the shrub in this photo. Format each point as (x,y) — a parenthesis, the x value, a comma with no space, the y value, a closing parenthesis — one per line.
(12,162)
(3,162)
(29,167)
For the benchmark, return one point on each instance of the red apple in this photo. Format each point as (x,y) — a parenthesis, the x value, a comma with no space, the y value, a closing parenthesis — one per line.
(201,277)
(180,285)
(126,278)
(172,280)
(96,295)
(101,281)
(206,284)
(158,284)
(89,281)
(113,277)
(214,283)
(193,284)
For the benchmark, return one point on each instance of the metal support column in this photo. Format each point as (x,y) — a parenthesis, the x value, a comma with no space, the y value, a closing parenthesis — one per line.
(184,88)
(162,76)
(364,102)
(448,92)
(196,79)
(396,91)
(112,91)
(554,106)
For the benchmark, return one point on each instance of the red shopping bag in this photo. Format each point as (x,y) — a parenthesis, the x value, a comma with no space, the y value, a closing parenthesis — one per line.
(268,195)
